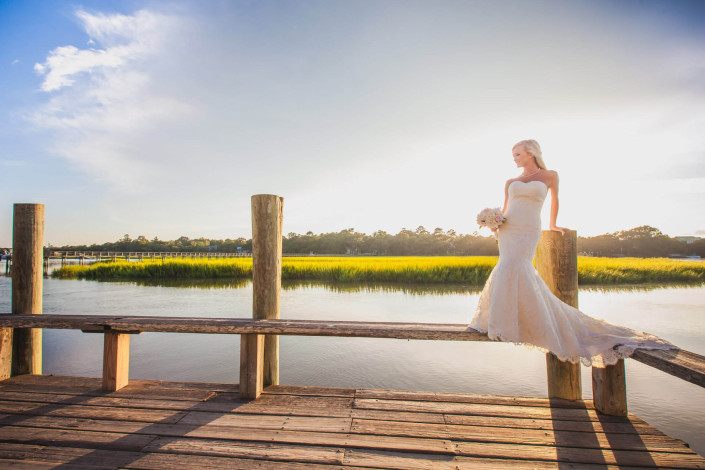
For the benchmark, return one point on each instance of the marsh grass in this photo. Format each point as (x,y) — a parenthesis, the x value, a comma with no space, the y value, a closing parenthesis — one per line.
(639,271)
(471,270)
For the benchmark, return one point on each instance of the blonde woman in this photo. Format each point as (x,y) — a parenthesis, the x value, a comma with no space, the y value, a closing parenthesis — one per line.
(517,306)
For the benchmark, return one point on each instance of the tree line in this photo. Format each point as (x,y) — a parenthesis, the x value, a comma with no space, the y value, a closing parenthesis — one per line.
(644,241)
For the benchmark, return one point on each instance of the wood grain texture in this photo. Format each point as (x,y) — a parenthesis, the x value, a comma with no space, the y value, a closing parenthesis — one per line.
(26,456)
(557,263)
(251,365)
(267,220)
(116,361)
(679,362)
(564,379)
(301,427)
(131,324)
(27,282)
(609,389)
(6,335)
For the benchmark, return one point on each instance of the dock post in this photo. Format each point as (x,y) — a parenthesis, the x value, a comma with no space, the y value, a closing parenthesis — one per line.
(609,389)
(27,279)
(116,360)
(557,263)
(261,357)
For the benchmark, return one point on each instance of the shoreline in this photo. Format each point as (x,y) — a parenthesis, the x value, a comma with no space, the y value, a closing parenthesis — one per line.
(468,270)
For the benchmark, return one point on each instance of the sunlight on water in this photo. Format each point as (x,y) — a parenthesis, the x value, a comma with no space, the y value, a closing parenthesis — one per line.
(676,314)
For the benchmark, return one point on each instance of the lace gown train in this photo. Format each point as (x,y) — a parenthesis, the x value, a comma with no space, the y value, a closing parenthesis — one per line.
(516,305)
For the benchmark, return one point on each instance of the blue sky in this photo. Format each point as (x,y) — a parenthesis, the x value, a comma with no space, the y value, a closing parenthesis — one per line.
(163,118)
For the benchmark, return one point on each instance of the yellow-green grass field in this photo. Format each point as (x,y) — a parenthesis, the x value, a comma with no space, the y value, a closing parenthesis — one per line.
(471,270)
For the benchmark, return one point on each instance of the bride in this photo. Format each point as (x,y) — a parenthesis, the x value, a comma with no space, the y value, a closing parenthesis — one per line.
(516,305)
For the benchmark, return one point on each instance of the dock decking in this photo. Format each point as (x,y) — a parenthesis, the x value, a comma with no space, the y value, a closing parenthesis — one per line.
(69,422)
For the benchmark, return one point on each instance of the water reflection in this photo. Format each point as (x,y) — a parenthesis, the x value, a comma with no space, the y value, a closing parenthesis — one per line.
(187,283)
(412,289)
(606,288)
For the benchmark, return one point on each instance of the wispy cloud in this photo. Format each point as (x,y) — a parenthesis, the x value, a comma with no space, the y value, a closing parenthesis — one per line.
(102,97)
(125,39)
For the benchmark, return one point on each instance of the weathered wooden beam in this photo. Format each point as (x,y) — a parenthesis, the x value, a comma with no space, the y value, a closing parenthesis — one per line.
(609,389)
(251,365)
(27,282)
(267,218)
(680,363)
(116,360)
(683,364)
(361,329)
(557,263)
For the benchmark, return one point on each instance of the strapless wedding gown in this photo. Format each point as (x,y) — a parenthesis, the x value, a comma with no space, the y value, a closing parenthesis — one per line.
(516,305)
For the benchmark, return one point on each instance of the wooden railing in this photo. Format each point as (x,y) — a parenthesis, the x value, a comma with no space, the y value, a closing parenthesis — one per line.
(682,364)
(20,331)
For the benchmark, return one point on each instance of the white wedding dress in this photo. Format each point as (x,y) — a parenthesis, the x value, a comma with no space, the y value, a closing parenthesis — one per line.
(516,305)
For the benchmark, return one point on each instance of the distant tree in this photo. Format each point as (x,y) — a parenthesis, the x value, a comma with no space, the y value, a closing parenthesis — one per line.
(640,241)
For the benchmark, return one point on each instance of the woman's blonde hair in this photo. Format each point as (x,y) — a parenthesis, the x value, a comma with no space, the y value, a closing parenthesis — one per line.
(532,147)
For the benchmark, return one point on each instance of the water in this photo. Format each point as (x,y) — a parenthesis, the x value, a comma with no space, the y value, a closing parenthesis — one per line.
(670,404)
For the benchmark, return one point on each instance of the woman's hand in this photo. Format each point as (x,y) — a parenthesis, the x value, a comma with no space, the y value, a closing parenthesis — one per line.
(558,229)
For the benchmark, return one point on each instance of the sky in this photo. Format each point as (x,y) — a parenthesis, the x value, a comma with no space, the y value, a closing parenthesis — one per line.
(163,118)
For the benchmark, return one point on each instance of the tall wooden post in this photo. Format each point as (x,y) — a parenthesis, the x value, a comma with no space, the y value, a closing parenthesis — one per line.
(255,354)
(557,263)
(27,258)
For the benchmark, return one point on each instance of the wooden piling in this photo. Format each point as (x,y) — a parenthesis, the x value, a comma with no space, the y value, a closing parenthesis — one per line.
(267,217)
(27,279)
(557,263)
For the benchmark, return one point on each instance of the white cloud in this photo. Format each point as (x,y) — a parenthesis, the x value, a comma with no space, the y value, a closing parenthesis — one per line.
(104,98)
(66,62)
(127,39)
(15,62)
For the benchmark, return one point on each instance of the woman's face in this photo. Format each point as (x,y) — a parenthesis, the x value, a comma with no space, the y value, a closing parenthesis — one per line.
(521,156)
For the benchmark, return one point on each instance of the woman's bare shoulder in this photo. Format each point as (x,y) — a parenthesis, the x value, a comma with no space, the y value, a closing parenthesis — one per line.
(551,175)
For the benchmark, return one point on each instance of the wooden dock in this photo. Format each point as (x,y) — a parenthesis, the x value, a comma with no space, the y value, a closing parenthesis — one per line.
(115,422)
(72,423)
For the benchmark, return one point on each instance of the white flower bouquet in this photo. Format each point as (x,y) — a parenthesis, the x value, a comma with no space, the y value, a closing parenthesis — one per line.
(491,218)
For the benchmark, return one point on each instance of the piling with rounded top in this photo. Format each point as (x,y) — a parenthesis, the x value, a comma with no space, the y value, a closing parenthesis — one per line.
(557,263)
(27,279)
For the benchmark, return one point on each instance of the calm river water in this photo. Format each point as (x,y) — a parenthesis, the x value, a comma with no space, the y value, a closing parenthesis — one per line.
(676,314)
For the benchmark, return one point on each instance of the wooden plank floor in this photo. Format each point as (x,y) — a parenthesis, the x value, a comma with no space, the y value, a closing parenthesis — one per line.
(68,422)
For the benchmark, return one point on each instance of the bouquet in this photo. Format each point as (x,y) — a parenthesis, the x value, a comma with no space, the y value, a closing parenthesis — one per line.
(491,218)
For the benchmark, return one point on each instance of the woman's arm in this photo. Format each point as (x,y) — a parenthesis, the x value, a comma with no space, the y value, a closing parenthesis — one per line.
(506,195)
(553,186)
(506,199)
